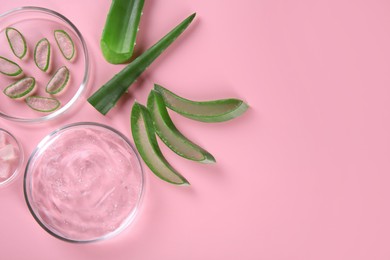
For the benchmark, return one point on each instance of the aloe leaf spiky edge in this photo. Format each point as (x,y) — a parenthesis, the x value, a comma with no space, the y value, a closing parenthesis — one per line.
(17,73)
(156,103)
(239,107)
(108,95)
(139,112)
(11,45)
(116,26)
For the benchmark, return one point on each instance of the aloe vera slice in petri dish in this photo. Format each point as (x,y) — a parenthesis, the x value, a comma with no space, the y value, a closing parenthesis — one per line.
(21,88)
(17,42)
(170,135)
(58,82)
(205,111)
(42,54)
(65,44)
(120,31)
(145,140)
(43,104)
(10,68)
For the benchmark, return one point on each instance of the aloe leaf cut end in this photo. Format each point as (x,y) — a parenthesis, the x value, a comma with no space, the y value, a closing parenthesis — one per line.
(42,55)
(120,31)
(205,111)
(108,95)
(170,135)
(43,104)
(59,81)
(65,44)
(145,140)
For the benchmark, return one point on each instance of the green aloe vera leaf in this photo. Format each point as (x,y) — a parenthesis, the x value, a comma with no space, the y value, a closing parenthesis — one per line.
(108,95)
(65,44)
(120,31)
(204,111)
(43,104)
(42,54)
(17,42)
(21,88)
(10,68)
(58,81)
(146,142)
(170,135)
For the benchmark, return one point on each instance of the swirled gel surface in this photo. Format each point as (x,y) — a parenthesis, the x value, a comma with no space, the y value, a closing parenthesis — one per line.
(85,183)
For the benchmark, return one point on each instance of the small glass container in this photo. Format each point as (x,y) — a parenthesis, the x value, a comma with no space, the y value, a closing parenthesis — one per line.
(84,182)
(36,23)
(11,157)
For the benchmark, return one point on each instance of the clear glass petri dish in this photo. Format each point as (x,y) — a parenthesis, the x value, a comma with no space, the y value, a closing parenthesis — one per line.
(84,182)
(11,157)
(36,23)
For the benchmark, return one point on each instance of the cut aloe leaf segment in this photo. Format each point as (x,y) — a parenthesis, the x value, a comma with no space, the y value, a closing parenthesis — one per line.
(65,44)
(59,81)
(21,89)
(42,54)
(120,31)
(145,140)
(16,42)
(10,68)
(170,135)
(108,95)
(206,111)
(43,104)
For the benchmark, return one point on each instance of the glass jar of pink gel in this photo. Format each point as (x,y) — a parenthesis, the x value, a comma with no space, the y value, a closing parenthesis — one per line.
(11,157)
(84,182)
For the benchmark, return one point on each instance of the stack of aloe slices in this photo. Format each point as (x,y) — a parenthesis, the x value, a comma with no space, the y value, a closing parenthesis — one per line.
(154,119)
(25,88)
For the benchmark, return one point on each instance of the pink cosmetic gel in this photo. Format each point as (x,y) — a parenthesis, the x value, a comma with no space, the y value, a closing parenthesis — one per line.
(84,182)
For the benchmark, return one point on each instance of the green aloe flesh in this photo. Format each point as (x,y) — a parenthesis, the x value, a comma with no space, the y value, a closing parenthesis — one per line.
(17,42)
(21,88)
(108,95)
(205,111)
(43,104)
(42,54)
(170,135)
(9,68)
(120,31)
(146,142)
(58,81)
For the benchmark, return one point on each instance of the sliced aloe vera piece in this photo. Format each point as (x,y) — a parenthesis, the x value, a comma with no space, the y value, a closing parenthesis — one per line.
(205,111)
(42,54)
(43,104)
(145,140)
(16,42)
(108,95)
(58,82)
(10,68)
(170,135)
(65,44)
(21,89)
(120,31)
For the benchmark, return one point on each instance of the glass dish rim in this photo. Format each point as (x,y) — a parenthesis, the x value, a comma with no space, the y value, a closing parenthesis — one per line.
(84,82)
(129,219)
(20,163)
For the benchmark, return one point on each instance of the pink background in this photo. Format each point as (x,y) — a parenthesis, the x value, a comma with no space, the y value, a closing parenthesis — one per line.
(304,174)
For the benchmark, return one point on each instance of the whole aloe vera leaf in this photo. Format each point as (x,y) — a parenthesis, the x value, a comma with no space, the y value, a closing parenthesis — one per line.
(120,31)
(108,95)
(145,140)
(205,111)
(170,135)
